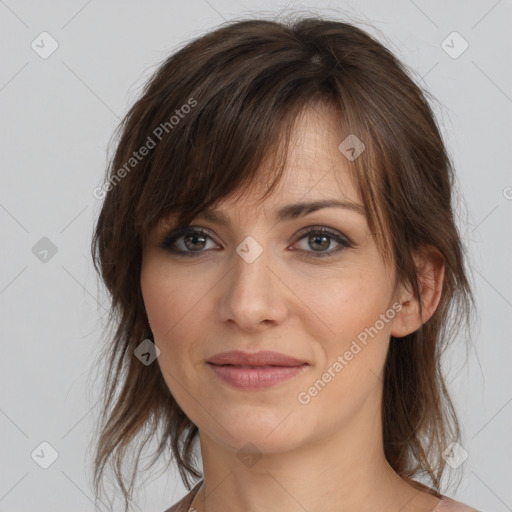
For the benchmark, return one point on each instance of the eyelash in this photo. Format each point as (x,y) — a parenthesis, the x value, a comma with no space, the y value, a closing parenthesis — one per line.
(173,236)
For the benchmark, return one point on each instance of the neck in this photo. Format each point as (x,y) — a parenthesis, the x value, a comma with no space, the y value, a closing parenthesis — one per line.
(345,471)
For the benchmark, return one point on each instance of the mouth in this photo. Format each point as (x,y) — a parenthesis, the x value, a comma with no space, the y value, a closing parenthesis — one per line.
(252,377)
(257,359)
(255,366)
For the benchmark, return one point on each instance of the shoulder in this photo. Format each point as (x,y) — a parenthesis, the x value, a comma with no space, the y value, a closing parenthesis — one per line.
(447,504)
(184,504)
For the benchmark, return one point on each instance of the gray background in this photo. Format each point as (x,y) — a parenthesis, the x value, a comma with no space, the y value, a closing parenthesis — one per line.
(57,115)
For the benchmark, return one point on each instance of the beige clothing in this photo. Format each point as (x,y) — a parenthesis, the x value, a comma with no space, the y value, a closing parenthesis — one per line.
(445,504)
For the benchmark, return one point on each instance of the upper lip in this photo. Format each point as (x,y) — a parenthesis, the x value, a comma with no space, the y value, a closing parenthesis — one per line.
(263,358)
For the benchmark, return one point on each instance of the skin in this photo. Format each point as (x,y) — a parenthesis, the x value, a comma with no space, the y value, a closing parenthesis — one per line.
(324,455)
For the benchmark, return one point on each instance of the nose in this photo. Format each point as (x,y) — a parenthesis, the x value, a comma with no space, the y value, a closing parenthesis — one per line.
(254,297)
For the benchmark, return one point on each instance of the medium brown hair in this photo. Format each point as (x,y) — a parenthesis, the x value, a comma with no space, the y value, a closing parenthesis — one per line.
(217,112)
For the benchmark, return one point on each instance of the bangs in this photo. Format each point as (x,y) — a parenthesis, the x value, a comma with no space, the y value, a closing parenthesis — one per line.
(236,135)
(223,123)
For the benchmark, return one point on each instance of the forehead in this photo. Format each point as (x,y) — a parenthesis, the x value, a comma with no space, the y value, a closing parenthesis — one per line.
(315,171)
(315,168)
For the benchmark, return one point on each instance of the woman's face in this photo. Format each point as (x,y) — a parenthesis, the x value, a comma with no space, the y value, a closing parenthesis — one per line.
(255,283)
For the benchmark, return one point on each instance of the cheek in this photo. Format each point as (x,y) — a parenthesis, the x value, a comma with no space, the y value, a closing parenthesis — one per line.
(166,304)
(169,300)
(350,305)
(352,355)
(346,301)
(177,307)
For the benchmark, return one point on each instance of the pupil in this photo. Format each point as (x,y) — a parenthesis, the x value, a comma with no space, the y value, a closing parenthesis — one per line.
(194,239)
(317,237)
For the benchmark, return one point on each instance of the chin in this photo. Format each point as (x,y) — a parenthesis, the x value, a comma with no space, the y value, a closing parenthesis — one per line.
(270,434)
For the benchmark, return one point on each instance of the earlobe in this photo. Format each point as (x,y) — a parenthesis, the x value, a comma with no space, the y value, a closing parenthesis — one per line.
(430,273)
(406,320)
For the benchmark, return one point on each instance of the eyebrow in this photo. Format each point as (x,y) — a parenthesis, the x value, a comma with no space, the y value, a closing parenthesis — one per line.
(290,211)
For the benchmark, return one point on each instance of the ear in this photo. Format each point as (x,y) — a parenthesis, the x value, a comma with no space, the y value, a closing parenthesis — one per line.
(430,269)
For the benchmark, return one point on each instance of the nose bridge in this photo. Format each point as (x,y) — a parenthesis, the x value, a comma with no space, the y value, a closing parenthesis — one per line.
(252,294)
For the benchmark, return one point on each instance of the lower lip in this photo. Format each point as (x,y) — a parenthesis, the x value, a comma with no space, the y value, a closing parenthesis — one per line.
(255,378)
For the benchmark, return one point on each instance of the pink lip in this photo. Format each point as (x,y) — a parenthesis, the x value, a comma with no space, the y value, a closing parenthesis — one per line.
(263,358)
(255,370)
(256,377)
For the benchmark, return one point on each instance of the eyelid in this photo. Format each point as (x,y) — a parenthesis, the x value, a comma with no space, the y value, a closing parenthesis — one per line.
(171,236)
(340,238)
(327,230)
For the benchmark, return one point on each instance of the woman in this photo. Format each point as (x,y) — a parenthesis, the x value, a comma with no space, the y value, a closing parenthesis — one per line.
(278,240)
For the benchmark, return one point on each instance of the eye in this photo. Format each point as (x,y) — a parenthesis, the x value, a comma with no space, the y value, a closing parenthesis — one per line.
(186,241)
(192,242)
(320,239)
